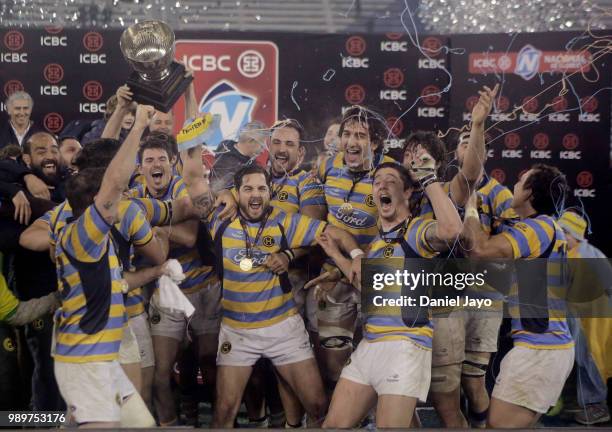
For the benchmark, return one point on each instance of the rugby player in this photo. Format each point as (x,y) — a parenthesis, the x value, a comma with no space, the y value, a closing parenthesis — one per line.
(347,183)
(392,364)
(259,314)
(533,373)
(92,320)
(425,153)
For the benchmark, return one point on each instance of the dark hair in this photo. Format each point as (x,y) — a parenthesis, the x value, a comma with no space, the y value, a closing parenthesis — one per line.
(169,139)
(10,151)
(403,172)
(247,170)
(432,144)
(27,146)
(82,188)
(67,137)
(549,189)
(154,142)
(377,129)
(97,153)
(292,124)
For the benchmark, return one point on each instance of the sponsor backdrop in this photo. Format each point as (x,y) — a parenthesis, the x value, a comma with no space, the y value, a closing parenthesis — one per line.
(562,83)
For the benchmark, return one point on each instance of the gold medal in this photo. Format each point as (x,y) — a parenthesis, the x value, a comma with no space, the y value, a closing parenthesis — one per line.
(246,264)
(388,251)
(346,209)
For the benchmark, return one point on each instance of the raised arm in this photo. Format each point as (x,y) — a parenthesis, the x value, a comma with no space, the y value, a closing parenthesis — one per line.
(197,187)
(462,185)
(117,175)
(112,129)
(448,227)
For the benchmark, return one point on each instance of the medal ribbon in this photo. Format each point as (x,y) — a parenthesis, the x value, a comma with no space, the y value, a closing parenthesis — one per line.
(247,238)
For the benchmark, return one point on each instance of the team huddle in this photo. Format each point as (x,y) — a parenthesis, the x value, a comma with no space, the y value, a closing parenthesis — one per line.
(271,262)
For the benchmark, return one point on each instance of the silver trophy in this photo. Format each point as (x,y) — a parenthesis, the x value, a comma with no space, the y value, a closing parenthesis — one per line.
(157,80)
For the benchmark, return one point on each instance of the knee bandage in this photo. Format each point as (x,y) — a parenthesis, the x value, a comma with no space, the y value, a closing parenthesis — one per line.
(446,378)
(475,364)
(336,338)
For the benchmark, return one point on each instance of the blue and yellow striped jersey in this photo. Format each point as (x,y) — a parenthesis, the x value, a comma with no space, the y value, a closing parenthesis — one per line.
(337,183)
(495,201)
(255,298)
(92,317)
(386,323)
(531,238)
(296,191)
(197,275)
(133,227)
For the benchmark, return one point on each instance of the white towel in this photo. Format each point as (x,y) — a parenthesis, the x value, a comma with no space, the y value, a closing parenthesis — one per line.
(169,295)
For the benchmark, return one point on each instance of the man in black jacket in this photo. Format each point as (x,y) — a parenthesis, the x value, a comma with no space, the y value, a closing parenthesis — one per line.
(19,127)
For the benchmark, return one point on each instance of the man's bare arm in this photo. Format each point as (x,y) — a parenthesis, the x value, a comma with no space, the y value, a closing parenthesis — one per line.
(117,175)
(112,129)
(197,187)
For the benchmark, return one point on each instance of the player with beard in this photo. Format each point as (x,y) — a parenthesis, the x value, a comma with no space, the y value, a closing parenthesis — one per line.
(391,366)
(201,285)
(425,155)
(259,314)
(533,373)
(347,183)
(294,191)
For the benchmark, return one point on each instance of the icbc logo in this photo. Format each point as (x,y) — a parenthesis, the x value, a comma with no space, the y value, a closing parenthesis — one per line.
(470,102)
(540,141)
(93,41)
(13,40)
(53,73)
(396,126)
(570,141)
(393,36)
(431,95)
(54,29)
(393,77)
(53,122)
(512,140)
(584,179)
(11,86)
(530,104)
(432,46)
(589,103)
(499,175)
(559,104)
(354,94)
(503,103)
(355,45)
(92,90)
(251,64)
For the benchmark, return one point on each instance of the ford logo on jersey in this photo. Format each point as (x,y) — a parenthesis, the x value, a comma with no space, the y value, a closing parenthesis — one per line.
(258,257)
(358,219)
(233,106)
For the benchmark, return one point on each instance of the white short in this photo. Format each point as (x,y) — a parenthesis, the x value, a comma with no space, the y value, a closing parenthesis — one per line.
(142,331)
(129,352)
(391,367)
(94,391)
(533,378)
(448,345)
(482,329)
(205,319)
(285,342)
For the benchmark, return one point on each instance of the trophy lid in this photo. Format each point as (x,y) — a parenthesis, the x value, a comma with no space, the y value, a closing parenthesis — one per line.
(148,45)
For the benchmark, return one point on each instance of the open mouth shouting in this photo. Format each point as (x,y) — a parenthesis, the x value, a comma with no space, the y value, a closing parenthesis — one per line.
(49,166)
(354,156)
(281,159)
(386,203)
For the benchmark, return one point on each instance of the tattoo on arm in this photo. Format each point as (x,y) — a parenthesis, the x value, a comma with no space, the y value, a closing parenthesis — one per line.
(432,240)
(203,204)
(107,205)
